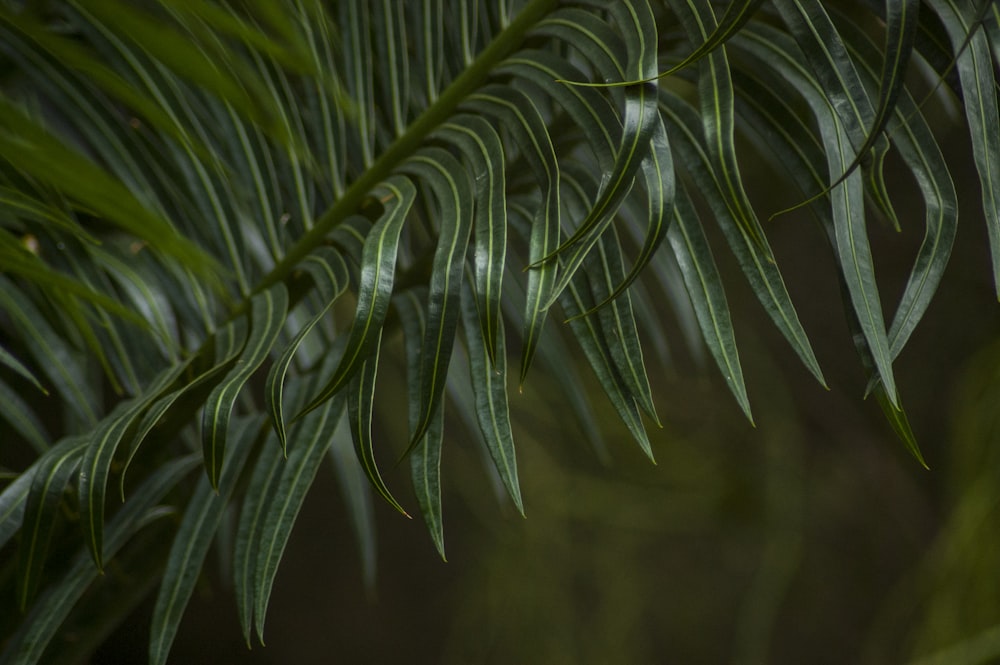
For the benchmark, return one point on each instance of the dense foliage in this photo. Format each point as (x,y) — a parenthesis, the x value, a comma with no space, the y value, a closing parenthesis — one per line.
(220,220)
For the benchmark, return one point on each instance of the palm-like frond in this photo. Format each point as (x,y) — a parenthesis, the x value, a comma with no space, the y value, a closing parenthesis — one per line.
(188,189)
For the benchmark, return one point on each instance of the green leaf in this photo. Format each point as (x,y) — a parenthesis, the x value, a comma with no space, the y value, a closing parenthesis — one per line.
(355,492)
(48,485)
(194,536)
(52,352)
(658,172)
(20,205)
(902,21)
(453,191)
(101,448)
(228,342)
(204,62)
(359,407)
(378,271)
(975,70)
(823,48)
(851,241)
(45,157)
(575,301)
(425,459)
(23,419)
(521,117)
(715,96)
(425,470)
(267,317)
(605,270)
(489,387)
(761,272)
(481,147)
(916,144)
(256,503)
(54,604)
(8,360)
(640,121)
(14,497)
(708,297)
(310,441)
(329,276)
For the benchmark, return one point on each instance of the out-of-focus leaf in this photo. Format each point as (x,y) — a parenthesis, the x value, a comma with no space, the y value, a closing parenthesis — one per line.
(45,157)
(52,352)
(7,359)
(41,507)
(356,493)
(22,418)
(20,205)
(54,604)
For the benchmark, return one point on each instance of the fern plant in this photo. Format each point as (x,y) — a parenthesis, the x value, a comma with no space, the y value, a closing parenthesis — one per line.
(222,222)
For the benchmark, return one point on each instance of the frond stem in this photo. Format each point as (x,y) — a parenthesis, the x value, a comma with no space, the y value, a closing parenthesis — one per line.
(443,108)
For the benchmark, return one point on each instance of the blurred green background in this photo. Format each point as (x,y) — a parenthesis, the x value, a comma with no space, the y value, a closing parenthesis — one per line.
(811,538)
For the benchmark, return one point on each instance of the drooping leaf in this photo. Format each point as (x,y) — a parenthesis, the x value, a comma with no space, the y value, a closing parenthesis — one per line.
(450,183)
(489,387)
(309,442)
(359,409)
(708,298)
(55,603)
(48,484)
(979,88)
(8,360)
(762,273)
(194,536)
(852,248)
(378,263)
(522,118)
(329,275)
(480,144)
(267,316)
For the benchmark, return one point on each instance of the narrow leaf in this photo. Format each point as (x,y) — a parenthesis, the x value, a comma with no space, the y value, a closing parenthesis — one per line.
(194,536)
(329,275)
(267,317)
(378,269)
(450,183)
(489,387)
